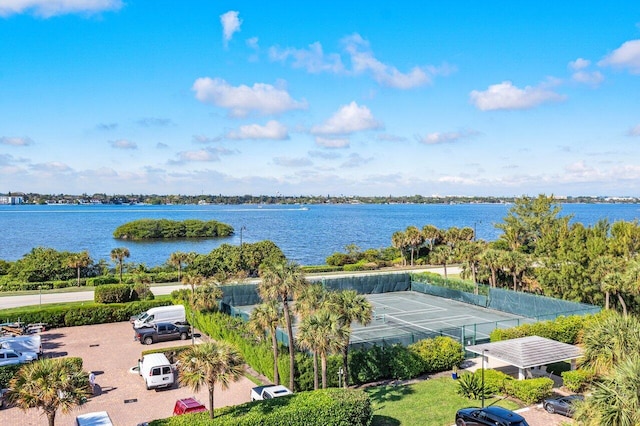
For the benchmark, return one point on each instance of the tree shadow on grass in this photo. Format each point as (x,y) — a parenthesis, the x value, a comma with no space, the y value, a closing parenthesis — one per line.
(384,421)
(381,394)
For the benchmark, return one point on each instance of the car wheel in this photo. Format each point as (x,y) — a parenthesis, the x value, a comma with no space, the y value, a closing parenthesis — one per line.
(147,384)
(183,336)
(549,409)
(460,422)
(148,340)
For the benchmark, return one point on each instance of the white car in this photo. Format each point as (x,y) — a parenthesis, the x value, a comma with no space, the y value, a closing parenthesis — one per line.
(10,356)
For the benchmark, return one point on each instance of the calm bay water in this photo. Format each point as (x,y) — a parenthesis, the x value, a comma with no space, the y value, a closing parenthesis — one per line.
(307,236)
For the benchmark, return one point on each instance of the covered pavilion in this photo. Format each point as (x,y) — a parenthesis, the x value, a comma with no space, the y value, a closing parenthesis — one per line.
(527,353)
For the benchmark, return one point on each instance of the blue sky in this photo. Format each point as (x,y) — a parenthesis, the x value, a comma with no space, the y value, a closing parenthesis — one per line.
(294,98)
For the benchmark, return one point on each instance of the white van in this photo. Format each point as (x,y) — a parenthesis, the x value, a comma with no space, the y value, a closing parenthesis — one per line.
(32,343)
(156,371)
(173,313)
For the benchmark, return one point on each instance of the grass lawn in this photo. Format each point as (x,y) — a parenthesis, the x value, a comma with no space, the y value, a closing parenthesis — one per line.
(430,402)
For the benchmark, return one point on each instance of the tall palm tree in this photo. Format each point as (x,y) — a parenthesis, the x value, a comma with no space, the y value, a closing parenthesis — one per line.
(432,235)
(325,334)
(206,297)
(469,252)
(491,259)
(118,255)
(78,261)
(308,338)
(349,306)
(177,259)
(442,255)
(268,317)
(281,281)
(210,364)
(399,241)
(516,263)
(414,239)
(50,384)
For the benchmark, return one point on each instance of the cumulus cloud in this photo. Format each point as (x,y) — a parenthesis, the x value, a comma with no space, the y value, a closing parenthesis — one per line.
(579,64)
(51,167)
(348,119)
(49,8)
(634,131)
(15,141)
(253,43)
(313,59)
(292,162)
(272,130)
(363,60)
(446,137)
(582,75)
(154,122)
(509,97)
(123,144)
(627,56)
(242,100)
(230,25)
(332,142)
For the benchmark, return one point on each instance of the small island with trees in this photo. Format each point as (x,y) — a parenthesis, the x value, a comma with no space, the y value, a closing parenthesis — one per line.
(149,229)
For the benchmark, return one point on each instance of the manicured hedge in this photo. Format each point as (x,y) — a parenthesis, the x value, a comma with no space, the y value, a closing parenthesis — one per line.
(562,329)
(114,293)
(494,380)
(102,280)
(529,391)
(578,380)
(88,313)
(438,354)
(315,269)
(329,407)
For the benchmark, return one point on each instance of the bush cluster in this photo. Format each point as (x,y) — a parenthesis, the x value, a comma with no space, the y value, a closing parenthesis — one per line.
(315,269)
(496,382)
(114,293)
(329,407)
(144,229)
(563,329)
(102,280)
(529,391)
(438,354)
(86,314)
(578,380)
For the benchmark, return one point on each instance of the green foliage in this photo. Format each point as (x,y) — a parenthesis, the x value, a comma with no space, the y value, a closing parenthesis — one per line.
(578,380)
(6,374)
(338,259)
(470,386)
(304,371)
(102,280)
(226,259)
(315,269)
(89,313)
(563,329)
(42,264)
(171,353)
(494,380)
(368,365)
(452,283)
(146,229)
(529,391)
(438,354)
(404,364)
(329,407)
(114,293)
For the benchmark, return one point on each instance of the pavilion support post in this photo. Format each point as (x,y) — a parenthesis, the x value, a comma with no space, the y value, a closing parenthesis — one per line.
(573,364)
(521,375)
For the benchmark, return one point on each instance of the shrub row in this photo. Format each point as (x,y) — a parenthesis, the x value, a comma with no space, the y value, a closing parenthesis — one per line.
(329,407)
(528,391)
(562,329)
(7,372)
(86,314)
(452,283)
(321,268)
(578,380)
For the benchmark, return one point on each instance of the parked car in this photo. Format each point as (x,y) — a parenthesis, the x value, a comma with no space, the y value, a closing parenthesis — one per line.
(162,332)
(11,356)
(562,404)
(269,392)
(173,314)
(30,343)
(489,416)
(99,418)
(188,406)
(156,371)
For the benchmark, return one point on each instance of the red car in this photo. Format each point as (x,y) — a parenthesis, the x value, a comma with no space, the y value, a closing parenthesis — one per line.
(188,406)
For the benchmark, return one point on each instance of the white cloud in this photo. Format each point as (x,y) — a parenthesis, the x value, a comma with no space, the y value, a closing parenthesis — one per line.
(199,155)
(593,78)
(272,130)
(356,160)
(332,142)
(205,139)
(579,64)
(15,141)
(634,131)
(49,8)
(348,119)
(626,56)
(363,59)
(313,59)
(253,43)
(390,138)
(123,144)
(438,137)
(51,167)
(230,25)
(507,96)
(331,155)
(292,162)
(242,100)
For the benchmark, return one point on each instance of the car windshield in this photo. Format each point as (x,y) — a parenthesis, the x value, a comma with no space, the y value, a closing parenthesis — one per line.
(142,316)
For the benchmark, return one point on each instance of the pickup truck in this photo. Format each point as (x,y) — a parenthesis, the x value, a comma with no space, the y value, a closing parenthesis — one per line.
(161,332)
(268,392)
(10,357)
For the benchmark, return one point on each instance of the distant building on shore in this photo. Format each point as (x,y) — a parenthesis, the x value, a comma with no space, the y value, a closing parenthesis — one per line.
(8,199)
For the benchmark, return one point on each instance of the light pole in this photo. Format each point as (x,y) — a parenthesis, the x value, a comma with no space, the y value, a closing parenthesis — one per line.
(483,354)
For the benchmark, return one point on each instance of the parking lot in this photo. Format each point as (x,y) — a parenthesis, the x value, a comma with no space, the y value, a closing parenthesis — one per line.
(110,351)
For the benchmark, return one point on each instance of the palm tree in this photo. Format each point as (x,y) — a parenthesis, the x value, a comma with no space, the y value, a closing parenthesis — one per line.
(268,316)
(442,255)
(206,297)
(349,307)
(516,263)
(78,261)
(325,334)
(193,280)
(50,384)
(308,338)
(281,281)
(398,240)
(177,259)
(469,252)
(431,234)
(414,239)
(118,255)
(491,259)
(208,364)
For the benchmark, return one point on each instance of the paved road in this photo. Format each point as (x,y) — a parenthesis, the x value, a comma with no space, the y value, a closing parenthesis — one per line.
(44,298)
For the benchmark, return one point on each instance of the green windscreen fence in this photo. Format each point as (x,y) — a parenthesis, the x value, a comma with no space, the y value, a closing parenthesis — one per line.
(534,306)
(449,293)
(369,284)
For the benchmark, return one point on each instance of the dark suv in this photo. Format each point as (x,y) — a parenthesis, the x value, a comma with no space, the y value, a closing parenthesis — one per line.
(492,416)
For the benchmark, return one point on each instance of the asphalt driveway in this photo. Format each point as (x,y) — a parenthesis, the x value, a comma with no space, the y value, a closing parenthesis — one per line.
(110,351)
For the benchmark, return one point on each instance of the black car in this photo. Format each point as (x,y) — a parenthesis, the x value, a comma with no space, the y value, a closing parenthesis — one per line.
(489,416)
(161,332)
(562,404)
